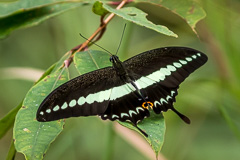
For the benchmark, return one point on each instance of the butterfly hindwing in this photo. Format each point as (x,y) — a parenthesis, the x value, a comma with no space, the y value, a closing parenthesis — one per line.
(134,108)
(127,107)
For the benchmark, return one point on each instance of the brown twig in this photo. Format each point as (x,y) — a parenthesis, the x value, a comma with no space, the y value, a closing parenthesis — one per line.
(101,27)
(117,3)
(97,34)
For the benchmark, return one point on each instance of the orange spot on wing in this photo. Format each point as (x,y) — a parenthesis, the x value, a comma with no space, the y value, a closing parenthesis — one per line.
(147,104)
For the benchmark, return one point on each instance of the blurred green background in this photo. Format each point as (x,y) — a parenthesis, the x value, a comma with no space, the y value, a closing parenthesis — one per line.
(210,97)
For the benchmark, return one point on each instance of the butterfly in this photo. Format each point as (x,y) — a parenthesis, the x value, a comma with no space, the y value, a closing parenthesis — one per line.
(127,90)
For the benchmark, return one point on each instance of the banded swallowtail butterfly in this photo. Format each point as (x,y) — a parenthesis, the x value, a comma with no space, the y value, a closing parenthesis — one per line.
(127,90)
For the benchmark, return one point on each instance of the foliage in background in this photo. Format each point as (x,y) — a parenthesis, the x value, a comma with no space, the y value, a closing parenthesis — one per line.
(223,84)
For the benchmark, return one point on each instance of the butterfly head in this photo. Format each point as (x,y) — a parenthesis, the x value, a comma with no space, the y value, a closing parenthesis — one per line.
(115,62)
(117,65)
(114,59)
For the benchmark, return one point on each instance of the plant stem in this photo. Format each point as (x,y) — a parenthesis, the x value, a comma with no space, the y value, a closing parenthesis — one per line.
(101,27)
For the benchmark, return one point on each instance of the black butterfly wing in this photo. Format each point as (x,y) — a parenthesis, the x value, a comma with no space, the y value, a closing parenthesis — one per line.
(169,66)
(127,107)
(86,95)
(159,72)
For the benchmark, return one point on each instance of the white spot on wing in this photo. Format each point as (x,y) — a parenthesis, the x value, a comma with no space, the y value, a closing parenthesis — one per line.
(165,71)
(189,59)
(64,106)
(172,93)
(124,114)
(139,108)
(168,97)
(178,65)
(194,56)
(72,103)
(81,101)
(114,116)
(163,100)
(91,98)
(131,112)
(183,62)
(171,68)
(48,110)
(56,108)
(156,102)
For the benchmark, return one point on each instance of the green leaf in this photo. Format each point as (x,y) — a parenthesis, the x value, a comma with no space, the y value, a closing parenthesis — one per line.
(47,72)
(26,5)
(154,126)
(138,17)
(8,1)
(24,15)
(32,138)
(7,121)
(91,60)
(60,63)
(11,152)
(189,10)
(98,9)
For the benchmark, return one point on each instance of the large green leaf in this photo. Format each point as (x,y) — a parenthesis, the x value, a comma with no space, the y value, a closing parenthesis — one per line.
(32,138)
(11,152)
(25,13)
(7,9)
(60,63)
(154,126)
(189,10)
(7,121)
(7,1)
(91,60)
(137,16)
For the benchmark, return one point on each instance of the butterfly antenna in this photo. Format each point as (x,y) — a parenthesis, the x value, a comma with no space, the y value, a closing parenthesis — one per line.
(121,38)
(95,44)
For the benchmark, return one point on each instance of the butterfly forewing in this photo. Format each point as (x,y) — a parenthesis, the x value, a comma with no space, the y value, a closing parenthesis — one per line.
(168,66)
(85,95)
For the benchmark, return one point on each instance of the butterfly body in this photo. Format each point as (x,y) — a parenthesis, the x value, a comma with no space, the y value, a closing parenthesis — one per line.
(127,90)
